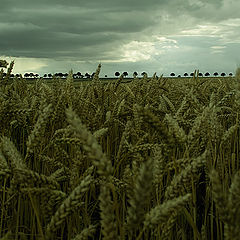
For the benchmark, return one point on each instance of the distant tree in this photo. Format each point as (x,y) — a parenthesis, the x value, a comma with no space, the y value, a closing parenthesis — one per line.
(207,74)
(66,74)
(26,75)
(79,74)
(60,75)
(17,75)
(92,75)
(185,74)
(179,76)
(125,74)
(172,74)
(50,75)
(45,75)
(223,74)
(74,75)
(12,75)
(215,74)
(230,74)
(135,74)
(191,74)
(105,75)
(87,75)
(200,74)
(117,74)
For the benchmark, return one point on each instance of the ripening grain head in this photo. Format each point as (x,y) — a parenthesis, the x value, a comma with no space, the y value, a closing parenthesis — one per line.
(237,74)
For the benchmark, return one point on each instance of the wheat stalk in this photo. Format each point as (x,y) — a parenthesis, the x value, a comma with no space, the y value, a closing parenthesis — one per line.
(184,178)
(85,233)
(91,145)
(67,206)
(37,133)
(108,223)
(141,193)
(161,213)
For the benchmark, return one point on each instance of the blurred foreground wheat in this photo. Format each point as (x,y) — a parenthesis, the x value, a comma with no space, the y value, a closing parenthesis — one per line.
(154,159)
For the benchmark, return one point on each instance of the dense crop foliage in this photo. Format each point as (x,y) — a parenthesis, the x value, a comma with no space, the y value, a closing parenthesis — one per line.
(152,159)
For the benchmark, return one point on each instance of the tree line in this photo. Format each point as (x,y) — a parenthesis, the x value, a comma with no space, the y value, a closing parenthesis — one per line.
(3,64)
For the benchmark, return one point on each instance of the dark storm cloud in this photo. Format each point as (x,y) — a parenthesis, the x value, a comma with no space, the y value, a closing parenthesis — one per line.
(48,28)
(107,30)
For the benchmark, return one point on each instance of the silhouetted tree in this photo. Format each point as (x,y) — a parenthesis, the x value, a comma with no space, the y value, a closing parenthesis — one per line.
(79,74)
(191,74)
(185,74)
(200,74)
(215,74)
(179,76)
(87,75)
(59,74)
(223,74)
(117,74)
(74,75)
(230,74)
(105,75)
(207,74)
(135,74)
(45,75)
(125,74)
(49,75)
(172,74)
(26,75)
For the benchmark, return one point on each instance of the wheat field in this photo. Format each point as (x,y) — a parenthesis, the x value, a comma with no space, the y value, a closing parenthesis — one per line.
(152,159)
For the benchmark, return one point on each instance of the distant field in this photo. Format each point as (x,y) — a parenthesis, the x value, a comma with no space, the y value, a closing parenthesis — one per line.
(77,82)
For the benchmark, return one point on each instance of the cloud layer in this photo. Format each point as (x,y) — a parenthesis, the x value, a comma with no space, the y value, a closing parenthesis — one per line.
(136,35)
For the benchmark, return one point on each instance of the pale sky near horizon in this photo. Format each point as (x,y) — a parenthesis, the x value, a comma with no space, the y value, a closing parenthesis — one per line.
(162,36)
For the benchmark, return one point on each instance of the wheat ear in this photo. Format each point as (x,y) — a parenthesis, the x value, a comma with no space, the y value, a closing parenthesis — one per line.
(141,193)
(87,232)
(108,223)
(67,206)
(160,214)
(90,145)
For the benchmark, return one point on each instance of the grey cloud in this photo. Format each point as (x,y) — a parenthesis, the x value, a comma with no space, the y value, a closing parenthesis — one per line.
(97,30)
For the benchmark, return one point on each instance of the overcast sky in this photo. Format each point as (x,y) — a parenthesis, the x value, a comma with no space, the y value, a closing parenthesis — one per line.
(162,36)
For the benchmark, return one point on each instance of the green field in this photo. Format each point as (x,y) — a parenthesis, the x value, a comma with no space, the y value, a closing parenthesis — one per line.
(155,158)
